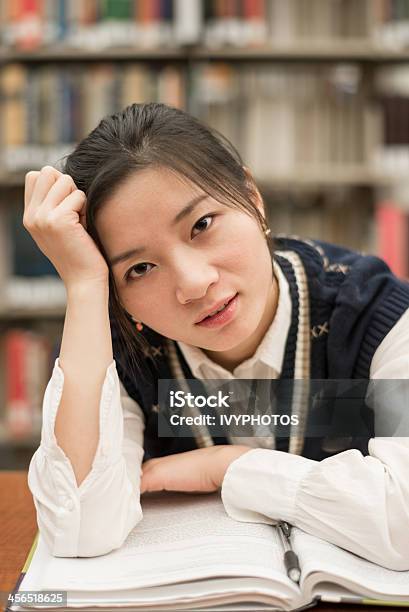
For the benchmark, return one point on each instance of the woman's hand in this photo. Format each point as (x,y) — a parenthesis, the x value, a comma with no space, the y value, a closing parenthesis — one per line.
(54,215)
(201,470)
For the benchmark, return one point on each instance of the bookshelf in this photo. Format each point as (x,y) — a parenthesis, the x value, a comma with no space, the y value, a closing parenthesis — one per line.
(329,52)
(312,75)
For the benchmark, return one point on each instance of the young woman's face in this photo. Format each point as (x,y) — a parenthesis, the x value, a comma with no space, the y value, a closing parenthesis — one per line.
(177,253)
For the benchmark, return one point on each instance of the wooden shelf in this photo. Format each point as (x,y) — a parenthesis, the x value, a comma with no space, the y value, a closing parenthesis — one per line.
(75,54)
(24,443)
(19,314)
(310,51)
(305,177)
(328,176)
(12,179)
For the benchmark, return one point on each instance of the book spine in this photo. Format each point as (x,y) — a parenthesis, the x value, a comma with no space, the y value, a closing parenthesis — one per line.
(18,410)
(13,120)
(30,24)
(255,19)
(393,237)
(188,19)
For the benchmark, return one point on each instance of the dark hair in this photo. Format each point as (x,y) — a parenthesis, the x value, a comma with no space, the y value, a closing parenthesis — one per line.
(147,136)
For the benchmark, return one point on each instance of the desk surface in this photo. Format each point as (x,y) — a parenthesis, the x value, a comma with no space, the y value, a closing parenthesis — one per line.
(18,528)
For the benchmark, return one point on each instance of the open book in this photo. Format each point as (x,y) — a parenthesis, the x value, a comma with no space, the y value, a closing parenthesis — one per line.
(186,553)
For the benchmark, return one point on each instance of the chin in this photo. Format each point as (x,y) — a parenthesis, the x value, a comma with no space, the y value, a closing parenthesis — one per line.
(229,341)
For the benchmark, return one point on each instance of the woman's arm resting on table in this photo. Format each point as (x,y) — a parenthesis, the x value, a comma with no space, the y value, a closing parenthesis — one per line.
(359,503)
(95,517)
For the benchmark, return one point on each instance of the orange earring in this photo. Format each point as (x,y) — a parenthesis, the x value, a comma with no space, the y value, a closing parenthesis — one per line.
(138,324)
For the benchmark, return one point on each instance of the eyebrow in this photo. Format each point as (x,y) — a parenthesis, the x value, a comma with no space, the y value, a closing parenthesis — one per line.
(184,212)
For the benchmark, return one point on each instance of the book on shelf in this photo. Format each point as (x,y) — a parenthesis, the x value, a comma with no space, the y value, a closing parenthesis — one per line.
(27,370)
(282,119)
(316,214)
(97,24)
(27,358)
(188,21)
(293,119)
(392,223)
(28,280)
(391,24)
(28,25)
(22,23)
(392,91)
(187,553)
(45,110)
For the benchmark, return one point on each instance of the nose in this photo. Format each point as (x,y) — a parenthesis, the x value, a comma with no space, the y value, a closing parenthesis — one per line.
(194,275)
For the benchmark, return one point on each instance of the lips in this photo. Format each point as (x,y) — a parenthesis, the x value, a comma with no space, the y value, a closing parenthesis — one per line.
(215,307)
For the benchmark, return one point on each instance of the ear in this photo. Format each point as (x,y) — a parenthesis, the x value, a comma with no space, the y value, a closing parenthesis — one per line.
(257,199)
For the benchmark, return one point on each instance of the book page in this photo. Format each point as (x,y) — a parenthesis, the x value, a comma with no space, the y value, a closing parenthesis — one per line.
(181,538)
(203,592)
(321,561)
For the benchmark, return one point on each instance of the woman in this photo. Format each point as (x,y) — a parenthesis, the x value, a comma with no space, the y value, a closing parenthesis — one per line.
(154,226)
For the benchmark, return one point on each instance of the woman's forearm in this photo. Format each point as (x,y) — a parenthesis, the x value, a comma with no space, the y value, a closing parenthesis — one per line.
(86,352)
(360,503)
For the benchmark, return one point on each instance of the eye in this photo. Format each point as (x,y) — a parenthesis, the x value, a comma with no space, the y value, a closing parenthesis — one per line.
(140,270)
(203,224)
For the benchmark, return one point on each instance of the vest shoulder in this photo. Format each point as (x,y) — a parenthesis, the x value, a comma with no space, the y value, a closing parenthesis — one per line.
(332,260)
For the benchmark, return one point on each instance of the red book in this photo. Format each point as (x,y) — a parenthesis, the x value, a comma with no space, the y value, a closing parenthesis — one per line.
(148,11)
(393,235)
(254,9)
(29,23)
(18,408)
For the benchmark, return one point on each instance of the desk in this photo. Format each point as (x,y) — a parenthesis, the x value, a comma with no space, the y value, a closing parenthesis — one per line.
(18,528)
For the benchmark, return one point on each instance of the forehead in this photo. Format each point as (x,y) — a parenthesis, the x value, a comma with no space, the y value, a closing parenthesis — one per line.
(146,196)
(151,187)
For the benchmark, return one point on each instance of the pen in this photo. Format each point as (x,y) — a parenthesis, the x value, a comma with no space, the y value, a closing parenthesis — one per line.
(290,558)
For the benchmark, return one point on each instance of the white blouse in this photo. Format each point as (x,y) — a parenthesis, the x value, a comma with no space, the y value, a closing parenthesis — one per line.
(359,503)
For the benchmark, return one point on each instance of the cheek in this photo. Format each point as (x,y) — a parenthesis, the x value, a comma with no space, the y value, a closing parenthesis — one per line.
(142,303)
(246,248)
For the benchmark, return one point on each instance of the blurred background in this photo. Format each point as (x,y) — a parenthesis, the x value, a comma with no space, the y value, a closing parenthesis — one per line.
(313,93)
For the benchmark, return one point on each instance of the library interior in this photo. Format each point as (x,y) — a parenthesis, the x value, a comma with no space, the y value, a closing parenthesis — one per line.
(314,94)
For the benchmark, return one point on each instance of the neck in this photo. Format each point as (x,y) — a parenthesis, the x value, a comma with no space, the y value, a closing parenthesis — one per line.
(232,358)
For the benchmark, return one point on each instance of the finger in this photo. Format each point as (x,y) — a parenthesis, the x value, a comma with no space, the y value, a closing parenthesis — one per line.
(30,181)
(149,484)
(76,202)
(46,179)
(62,187)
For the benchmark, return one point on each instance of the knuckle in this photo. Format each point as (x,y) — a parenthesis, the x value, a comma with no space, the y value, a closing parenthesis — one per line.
(66,181)
(50,219)
(43,222)
(47,170)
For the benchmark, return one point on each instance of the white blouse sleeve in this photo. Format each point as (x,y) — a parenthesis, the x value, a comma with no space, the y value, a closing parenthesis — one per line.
(95,517)
(359,503)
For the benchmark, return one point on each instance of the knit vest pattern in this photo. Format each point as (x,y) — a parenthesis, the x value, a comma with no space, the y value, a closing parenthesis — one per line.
(343,305)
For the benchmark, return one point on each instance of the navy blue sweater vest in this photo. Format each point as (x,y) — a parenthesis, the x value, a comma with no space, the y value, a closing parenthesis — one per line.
(352,301)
